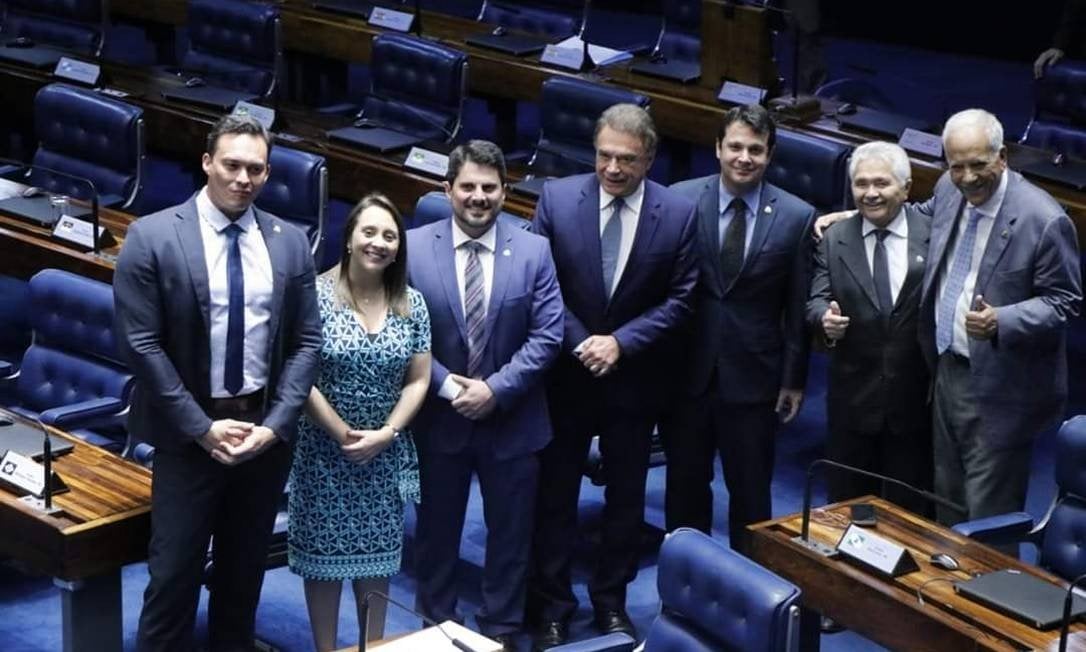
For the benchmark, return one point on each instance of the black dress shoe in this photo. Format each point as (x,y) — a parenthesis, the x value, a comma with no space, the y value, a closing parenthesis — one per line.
(551,633)
(508,642)
(610,621)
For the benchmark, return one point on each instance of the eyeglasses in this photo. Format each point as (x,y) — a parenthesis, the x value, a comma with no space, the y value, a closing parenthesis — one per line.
(622,160)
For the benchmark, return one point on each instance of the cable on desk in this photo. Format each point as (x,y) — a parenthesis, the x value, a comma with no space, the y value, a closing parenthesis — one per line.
(920,589)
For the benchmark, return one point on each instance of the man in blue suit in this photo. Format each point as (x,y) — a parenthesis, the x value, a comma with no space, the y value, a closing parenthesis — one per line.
(623,247)
(217,316)
(496,320)
(747,348)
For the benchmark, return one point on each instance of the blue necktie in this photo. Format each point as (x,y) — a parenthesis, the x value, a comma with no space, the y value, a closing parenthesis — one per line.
(610,240)
(474,306)
(955,284)
(234,367)
(881,273)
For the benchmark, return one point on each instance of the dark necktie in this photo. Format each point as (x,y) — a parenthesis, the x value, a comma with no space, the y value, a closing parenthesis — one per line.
(474,306)
(881,273)
(735,242)
(234,365)
(610,240)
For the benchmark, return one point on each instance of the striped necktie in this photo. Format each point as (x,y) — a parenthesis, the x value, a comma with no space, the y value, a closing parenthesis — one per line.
(955,283)
(474,306)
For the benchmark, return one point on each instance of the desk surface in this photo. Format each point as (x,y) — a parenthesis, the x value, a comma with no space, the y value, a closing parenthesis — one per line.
(887,610)
(105,523)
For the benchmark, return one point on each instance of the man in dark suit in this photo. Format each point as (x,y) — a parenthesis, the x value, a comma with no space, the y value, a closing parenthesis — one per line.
(217,316)
(865,300)
(496,320)
(747,347)
(1003,280)
(623,249)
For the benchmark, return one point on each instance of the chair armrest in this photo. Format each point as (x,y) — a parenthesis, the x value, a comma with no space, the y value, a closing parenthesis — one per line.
(80,414)
(6,369)
(8,171)
(142,453)
(1002,528)
(616,642)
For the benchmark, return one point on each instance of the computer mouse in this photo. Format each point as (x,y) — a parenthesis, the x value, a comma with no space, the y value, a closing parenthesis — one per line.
(5,421)
(498,31)
(21,42)
(848,108)
(193,82)
(32,191)
(944,561)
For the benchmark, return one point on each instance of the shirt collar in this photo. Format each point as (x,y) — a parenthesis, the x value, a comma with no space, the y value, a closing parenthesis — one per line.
(750,198)
(219,221)
(897,226)
(632,200)
(991,207)
(488,240)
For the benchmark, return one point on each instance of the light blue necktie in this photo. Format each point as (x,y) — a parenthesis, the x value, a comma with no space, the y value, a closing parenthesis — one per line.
(474,306)
(234,364)
(955,283)
(610,240)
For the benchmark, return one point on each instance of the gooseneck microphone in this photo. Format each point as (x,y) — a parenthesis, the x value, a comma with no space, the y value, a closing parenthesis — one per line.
(804,540)
(1067,602)
(365,613)
(47,463)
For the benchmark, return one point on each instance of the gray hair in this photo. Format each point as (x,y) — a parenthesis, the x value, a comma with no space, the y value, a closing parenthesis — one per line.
(976,118)
(629,119)
(889,153)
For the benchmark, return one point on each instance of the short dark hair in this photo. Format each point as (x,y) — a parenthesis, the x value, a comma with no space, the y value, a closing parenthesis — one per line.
(479,152)
(234,125)
(395,275)
(754,116)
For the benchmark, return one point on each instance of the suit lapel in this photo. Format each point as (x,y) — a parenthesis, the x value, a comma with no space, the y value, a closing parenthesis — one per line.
(646,231)
(763,226)
(918,250)
(445,261)
(1000,236)
(503,265)
(273,240)
(941,231)
(192,244)
(709,222)
(588,212)
(853,254)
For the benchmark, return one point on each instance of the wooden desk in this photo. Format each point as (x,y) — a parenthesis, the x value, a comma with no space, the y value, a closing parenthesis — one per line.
(887,610)
(105,524)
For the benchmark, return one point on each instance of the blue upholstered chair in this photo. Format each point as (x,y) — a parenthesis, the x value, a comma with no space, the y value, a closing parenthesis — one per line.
(434,206)
(15,332)
(87,135)
(1059,111)
(680,36)
(551,23)
(712,599)
(71,376)
(297,191)
(416,86)
(234,44)
(813,169)
(77,25)
(1060,536)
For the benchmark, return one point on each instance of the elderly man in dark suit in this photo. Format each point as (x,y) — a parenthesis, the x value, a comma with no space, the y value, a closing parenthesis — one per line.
(747,350)
(623,247)
(865,301)
(217,316)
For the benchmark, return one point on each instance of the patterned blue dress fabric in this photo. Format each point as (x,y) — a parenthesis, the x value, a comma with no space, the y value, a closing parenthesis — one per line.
(346,519)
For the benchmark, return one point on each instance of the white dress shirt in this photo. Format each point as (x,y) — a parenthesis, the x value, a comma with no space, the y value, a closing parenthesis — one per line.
(631,212)
(988,210)
(450,388)
(897,251)
(257,269)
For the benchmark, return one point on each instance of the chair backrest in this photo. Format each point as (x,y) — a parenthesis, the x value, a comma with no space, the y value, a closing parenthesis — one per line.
(87,135)
(417,86)
(680,38)
(569,109)
(74,356)
(297,191)
(234,43)
(14,319)
(78,25)
(1063,550)
(1059,111)
(713,598)
(813,169)
(550,23)
(434,206)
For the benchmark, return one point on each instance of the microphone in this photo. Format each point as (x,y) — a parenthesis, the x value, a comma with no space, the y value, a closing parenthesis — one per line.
(826,551)
(47,462)
(362,121)
(418,19)
(1067,602)
(365,613)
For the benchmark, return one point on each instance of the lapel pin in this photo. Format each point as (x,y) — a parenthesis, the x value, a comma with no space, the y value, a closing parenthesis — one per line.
(767,209)
(919,259)
(1005,233)
(275,228)
(506,252)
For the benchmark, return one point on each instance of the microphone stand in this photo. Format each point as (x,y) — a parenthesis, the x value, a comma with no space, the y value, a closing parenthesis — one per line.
(1067,602)
(364,613)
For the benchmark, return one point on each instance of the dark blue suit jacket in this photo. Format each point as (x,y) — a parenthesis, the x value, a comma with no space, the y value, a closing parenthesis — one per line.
(523,335)
(652,298)
(162,300)
(752,332)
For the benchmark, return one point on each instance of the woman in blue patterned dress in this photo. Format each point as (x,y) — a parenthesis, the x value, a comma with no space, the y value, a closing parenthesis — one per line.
(354,467)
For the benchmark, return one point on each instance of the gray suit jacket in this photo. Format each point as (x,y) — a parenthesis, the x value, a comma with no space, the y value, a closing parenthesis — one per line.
(1030,273)
(161,295)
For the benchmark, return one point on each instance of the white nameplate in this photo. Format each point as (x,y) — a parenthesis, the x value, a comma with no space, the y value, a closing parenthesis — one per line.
(76,231)
(874,551)
(80,71)
(399,21)
(261,114)
(737,93)
(113,92)
(921,142)
(23,473)
(571,58)
(426,161)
